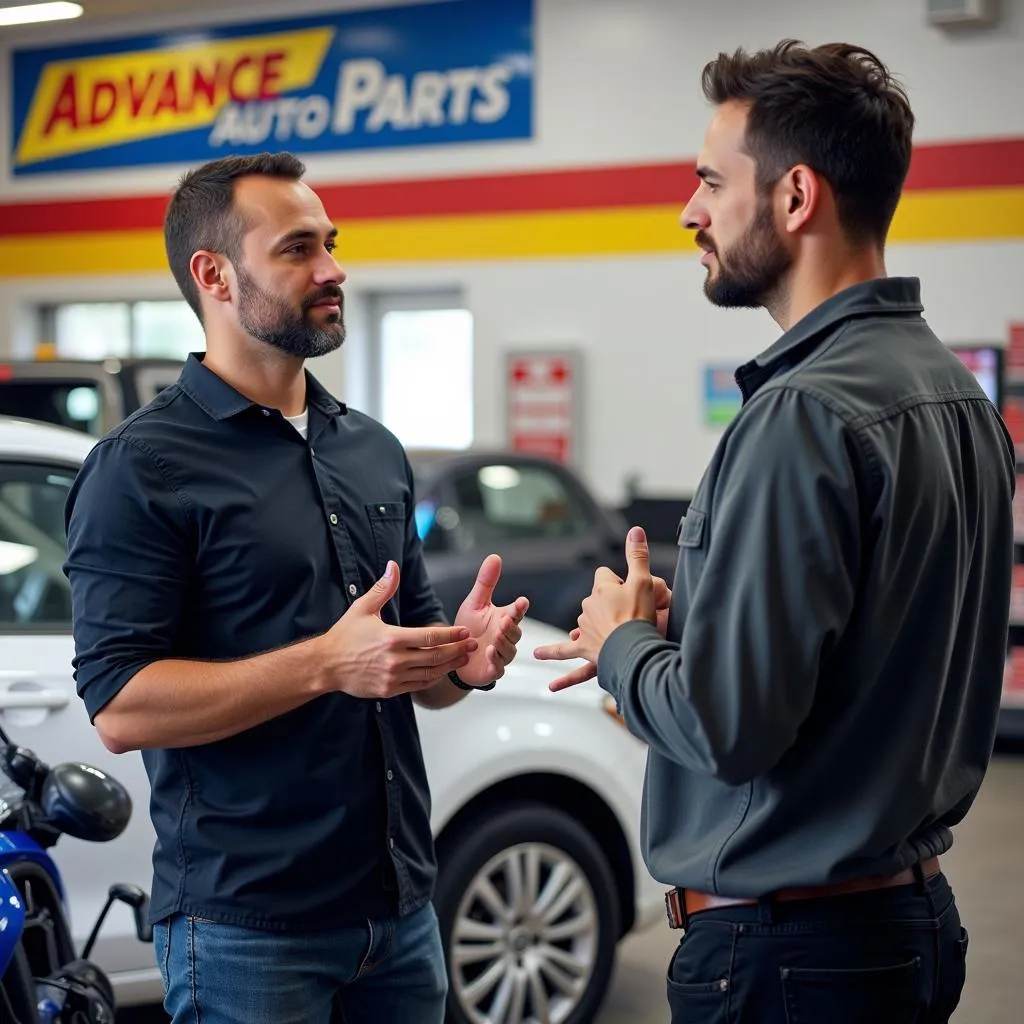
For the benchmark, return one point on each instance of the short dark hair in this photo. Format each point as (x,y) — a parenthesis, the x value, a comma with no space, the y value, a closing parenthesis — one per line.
(835,108)
(202,212)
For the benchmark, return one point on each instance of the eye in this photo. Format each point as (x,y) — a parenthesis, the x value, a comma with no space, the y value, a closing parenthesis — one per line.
(299,249)
(330,246)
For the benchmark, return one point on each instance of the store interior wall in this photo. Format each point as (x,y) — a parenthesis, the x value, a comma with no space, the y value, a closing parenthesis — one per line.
(617,82)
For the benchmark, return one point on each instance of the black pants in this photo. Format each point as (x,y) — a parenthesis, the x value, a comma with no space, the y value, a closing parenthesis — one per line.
(888,956)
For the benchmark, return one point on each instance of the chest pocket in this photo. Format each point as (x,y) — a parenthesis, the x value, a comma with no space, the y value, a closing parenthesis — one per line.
(387,522)
(691,528)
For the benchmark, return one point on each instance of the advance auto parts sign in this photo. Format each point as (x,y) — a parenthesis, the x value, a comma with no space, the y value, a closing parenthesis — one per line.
(442,72)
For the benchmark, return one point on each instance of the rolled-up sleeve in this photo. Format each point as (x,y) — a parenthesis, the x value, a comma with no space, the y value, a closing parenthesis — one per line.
(781,555)
(128,564)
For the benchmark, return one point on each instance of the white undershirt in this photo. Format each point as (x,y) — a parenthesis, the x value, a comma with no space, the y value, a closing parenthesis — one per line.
(300,422)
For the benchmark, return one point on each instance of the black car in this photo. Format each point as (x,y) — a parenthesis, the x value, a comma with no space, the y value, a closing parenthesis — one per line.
(536,513)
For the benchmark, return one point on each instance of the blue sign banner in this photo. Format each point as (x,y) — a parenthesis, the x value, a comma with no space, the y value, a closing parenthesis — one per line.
(437,73)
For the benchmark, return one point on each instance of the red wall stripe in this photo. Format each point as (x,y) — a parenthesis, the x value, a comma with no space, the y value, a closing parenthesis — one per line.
(987,164)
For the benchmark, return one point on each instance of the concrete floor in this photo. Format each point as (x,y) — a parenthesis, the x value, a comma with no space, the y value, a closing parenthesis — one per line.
(984,868)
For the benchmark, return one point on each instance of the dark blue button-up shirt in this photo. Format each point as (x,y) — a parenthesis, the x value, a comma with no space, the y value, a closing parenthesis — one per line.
(205,527)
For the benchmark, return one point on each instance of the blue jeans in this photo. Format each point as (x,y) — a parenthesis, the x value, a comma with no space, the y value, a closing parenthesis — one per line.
(889,956)
(377,972)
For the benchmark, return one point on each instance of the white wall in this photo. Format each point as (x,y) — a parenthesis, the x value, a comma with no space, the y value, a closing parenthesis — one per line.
(617,81)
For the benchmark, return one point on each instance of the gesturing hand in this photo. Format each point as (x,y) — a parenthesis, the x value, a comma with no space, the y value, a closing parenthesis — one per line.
(367,657)
(612,602)
(496,629)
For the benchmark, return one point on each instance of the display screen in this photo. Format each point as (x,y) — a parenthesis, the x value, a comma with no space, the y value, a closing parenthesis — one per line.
(986,363)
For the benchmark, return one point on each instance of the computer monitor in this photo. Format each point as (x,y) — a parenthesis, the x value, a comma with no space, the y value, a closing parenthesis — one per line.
(986,363)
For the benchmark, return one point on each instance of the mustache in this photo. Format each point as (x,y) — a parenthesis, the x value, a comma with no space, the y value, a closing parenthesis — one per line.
(329,291)
(704,241)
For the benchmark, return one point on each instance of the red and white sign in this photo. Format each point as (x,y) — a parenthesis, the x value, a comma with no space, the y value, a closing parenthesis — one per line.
(1013,678)
(1015,354)
(542,396)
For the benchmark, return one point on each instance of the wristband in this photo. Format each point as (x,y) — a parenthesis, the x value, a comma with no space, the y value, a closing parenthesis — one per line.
(453,676)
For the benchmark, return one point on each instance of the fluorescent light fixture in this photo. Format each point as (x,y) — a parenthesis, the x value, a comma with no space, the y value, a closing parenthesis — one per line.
(29,14)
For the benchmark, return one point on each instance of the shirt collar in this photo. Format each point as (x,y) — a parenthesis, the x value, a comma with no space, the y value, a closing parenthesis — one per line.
(221,401)
(887,296)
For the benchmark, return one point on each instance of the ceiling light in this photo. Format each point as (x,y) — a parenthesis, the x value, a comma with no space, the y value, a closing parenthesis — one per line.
(28,14)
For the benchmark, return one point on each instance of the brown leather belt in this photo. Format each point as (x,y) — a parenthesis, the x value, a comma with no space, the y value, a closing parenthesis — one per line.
(681,904)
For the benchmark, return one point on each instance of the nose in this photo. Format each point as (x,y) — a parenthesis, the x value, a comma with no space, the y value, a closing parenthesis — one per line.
(330,271)
(694,217)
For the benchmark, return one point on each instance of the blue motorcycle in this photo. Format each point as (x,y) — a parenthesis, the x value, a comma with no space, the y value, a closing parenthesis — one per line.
(42,978)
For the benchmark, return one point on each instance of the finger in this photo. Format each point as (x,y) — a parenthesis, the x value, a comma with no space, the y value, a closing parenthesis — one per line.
(510,630)
(495,663)
(638,556)
(604,576)
(439,659)
(574,678)
(662,594)
(576,633)
(381,592)
(506,650)
(423,678)
(556,652)
(487,578)
(517,609)
(409,637)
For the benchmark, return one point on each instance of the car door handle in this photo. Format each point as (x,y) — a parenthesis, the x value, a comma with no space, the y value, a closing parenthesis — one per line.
(48,700)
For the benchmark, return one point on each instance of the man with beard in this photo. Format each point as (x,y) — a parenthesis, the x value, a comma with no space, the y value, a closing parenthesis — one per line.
(251,610)
(819,689)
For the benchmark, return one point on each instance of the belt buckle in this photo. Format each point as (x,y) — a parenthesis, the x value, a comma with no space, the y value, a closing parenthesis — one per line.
(675,908)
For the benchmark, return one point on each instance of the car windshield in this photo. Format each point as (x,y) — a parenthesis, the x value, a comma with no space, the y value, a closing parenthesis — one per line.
(69,402)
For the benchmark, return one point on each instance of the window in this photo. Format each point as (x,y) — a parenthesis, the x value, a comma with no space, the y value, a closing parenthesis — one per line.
(501,503)
(424,347)
(34,593)
(97,330)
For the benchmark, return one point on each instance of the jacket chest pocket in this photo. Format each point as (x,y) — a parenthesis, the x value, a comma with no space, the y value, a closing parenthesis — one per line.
(692,537)
(691,528)
(387,523)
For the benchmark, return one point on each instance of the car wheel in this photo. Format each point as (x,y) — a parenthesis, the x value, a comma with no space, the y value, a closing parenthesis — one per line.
(529,918)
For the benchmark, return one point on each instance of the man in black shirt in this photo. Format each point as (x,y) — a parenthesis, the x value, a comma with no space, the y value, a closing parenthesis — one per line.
(251,610)
(819,690)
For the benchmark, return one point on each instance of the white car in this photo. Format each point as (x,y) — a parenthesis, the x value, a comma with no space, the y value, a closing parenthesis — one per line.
(536,796)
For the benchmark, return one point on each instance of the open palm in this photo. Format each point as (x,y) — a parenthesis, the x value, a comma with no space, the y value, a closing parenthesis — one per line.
(496,629)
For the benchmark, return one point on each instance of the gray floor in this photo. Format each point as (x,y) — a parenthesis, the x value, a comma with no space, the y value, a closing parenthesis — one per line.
(984,868)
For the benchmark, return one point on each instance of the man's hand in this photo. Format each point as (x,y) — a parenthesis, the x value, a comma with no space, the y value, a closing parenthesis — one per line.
(496,630)
(366,657)
(612,602)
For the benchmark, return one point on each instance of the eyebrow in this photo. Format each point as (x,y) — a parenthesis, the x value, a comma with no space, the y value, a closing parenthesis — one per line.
(705,173)
(305,235)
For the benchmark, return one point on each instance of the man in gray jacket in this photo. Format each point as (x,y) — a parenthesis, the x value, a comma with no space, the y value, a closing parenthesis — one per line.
(819,689)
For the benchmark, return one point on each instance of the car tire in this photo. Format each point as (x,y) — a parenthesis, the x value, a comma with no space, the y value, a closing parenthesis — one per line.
(529,914)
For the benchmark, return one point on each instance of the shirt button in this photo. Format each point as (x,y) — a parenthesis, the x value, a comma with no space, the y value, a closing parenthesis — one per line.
(266,412)
(391,843)
(352,588)
(334,519)
(378,705)
(391,775)
(381,509)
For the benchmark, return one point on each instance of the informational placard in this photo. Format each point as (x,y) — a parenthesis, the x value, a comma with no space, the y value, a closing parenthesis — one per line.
(1015,355)
(1013,679)
(443,72)
(722,396)
(543,398)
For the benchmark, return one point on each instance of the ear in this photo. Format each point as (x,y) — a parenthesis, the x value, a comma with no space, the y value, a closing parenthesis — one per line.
(799,196)
(211,273)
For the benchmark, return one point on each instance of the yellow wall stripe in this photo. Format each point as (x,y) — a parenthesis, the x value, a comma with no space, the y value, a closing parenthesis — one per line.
(953,215)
